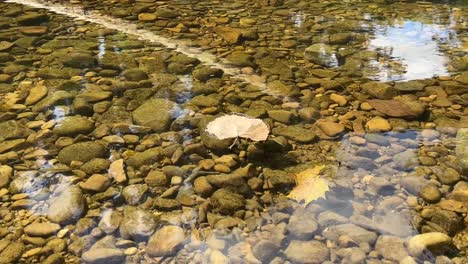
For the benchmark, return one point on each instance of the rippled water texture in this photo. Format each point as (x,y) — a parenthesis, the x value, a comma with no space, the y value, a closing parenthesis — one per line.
(105,156)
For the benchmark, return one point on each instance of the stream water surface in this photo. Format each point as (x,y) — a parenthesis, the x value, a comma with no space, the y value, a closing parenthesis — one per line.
(105,156)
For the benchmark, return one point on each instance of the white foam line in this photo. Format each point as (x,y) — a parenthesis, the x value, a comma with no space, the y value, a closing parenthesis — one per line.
(123,26)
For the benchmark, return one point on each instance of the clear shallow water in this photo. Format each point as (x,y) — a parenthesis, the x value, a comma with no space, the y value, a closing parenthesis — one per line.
(394,154)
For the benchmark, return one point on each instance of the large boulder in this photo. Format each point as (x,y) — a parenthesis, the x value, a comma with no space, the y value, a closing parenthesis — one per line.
(82,151)
(12,129)
(74,125)
(154,113)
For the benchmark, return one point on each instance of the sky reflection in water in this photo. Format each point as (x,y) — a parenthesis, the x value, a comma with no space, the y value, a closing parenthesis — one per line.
(416,46)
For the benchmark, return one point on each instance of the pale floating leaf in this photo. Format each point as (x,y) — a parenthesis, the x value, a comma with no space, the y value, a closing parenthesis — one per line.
(233,126)
(309,186)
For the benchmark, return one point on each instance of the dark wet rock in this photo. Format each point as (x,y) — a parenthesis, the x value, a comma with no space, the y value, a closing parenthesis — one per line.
(56,73)
(5,57)
(83,151)
(232,182)
(154,113)
(296,133)
(460,192)
(94,96)
(321,54)
(279,179)
(279,88)
(227,202)
(130,44)
(6,88)
(282,116)
(135,75)
(165,12)
(184,60)
(449,221)
(41,229)
(79,60)
(32,19)
(202,187)
(55,258)
(434,241)
(95,166)
(265,250)
(410,86)
(231,35)
(204,101)
(241,59)
(12,129)
(380,90)
(68,206)
(205,73)
(307,252)
(356,233)
(212,142)
(26,42)
(74,125)
(166,205)
(12,252)
(13,69)
(116,114)
(397,108)
(146,157)
(156,178)
(391,247)
(452,87)
(430,193)
(165,241)
(103,256)
(448,176)
(137,224)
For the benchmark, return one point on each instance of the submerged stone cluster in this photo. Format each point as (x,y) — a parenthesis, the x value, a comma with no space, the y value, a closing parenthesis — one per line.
(105,156)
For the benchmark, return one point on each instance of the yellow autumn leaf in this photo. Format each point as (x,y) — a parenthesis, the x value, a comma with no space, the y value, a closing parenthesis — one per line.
(309,186)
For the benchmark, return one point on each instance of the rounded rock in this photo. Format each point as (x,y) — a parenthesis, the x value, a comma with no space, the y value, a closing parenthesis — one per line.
(165,241)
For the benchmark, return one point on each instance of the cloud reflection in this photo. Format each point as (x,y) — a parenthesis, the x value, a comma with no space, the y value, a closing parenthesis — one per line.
(414,45)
